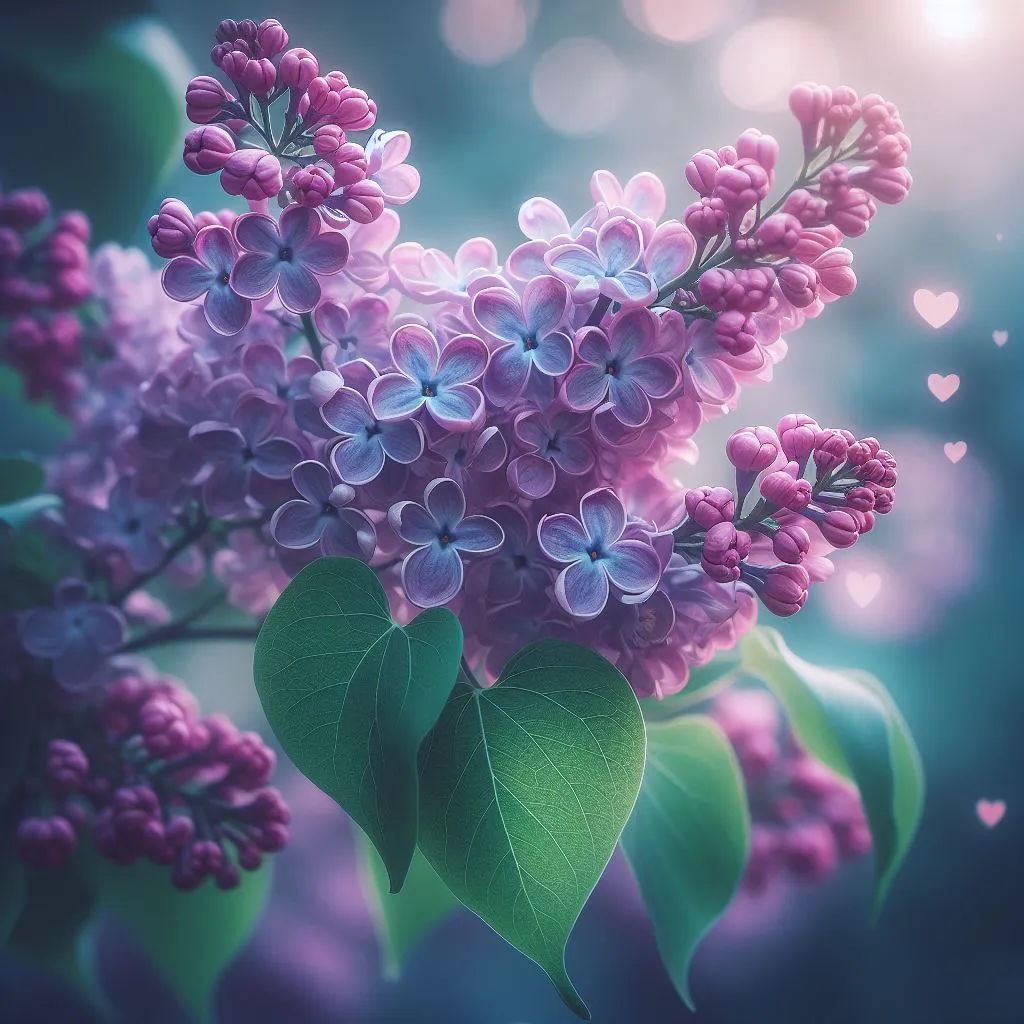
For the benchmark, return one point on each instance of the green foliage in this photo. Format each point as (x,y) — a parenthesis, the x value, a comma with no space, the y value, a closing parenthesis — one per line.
(18,514)
(852,725)
(688,837)
(190,937)
(401,919)
(19,478)
(526,788)
(351,695)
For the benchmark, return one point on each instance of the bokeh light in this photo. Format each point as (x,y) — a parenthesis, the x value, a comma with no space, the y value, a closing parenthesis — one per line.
(578,86)
(955,19)
(484,32)
(681,21)
(762,61)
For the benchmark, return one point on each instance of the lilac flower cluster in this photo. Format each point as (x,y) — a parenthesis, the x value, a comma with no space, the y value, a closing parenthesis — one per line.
(151,779)
(44,276)
(806,819)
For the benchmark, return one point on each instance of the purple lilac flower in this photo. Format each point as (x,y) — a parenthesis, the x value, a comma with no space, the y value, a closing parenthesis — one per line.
(518,570)
(528,328)
(622,366)
(320,519)
(480,452)
(596,554)
(552,442)
(359,329)
(440,529)
(265,365)
(367,441)
(77,635)
(241,450)
(209,273)
(610,269)
(288,256)
(385,164)
(439,381)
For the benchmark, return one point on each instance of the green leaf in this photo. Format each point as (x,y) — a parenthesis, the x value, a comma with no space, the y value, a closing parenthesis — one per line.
(16,515)
(401,919)
(190,937)
(19,478)
(688,837)
(705,682)
(350,695)
(13,877)
(525,790)
(854,728)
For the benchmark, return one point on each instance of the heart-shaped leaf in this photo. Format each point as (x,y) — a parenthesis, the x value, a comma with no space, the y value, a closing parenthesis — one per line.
(401,919)
(855,729)
(526,787)
(350,695)
(688,837)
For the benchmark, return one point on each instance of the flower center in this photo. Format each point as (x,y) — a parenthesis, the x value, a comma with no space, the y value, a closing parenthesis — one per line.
(520,562)
(133,525)
(429,390)
(612,367)
(284,254)
(529,344)
(224,278)
(445,539)
(373,430)
(595,554)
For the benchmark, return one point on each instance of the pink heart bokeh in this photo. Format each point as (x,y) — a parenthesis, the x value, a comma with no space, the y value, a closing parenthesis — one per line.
(943,388)
(955,450)
(1000,337)
(863,587)
(990,812)
(936,310)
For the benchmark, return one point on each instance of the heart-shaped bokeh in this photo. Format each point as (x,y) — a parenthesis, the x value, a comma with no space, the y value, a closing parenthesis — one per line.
(955,450)
(990,812)
(863,587)
(936,310)
(943,388)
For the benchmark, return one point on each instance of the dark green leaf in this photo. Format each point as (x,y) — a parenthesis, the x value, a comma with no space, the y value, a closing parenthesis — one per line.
(688,836)
(190,937)
(851,727)
(705,682)
(350,695)
(402,919)
(13,878)
(19,478)
(526,789)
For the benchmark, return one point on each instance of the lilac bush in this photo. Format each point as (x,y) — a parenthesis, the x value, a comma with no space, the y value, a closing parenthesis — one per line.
(493,439)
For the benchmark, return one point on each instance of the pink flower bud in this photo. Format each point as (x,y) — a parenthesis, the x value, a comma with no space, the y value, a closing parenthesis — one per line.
(791,544)
(701,170)
(797,433)
(809,102)
(748,290)
(830,448)
(887,184)
(753,449)
(26,208)
(778,234)
(310,186)
(271,37)
(735,332)
(172,231)
(70,288)
(252,173)
(799,283)
(363,202)
(834,181)
(327,139)
(861,451)
(783,590)
(835,272)
(884,500)
(205,99)
(298,68)
(709,506)
(323,97)
(706,218)
(724,549)
(207,149)
(741,186)
(842,113)
(892,150)
(259,77)
(808,207)
(839,527)
(851,212)
(232,60)
(356,111)
(860,499)
(810,851)
(75,223)
(349,163)
(786,488)
(755,145)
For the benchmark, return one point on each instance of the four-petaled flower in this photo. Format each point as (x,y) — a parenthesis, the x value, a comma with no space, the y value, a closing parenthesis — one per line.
(319,518)
(596,554)
(622,366)
(242,450)
(289,255)
(209,273)
(77,635)
(553,443)
(439,381)
(609,268)
(440,530)
(529,329)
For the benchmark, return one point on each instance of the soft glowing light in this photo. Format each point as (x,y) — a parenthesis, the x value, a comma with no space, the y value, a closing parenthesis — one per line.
(955,19)
(578,85)
(761,62)
(680,21)
(484,31)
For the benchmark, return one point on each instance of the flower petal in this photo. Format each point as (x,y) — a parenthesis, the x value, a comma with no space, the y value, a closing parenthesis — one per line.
(257,416)
(325,255)
(216,248)
(463,361)
(298,524)
(582,589)
(258,233)
(415,352)
(413,523)
(456,408)
(264,364)
(44,632)
(630,404)
(527,260)
(226,312)
(346,412)
(185,278)
(349,534)
(563,538)
(603,516)
(445,502)
(670,253)
(402,441)
(480,535)
(432,575)
(358,461)
(644,194)
(657,375)
(574,260)
(507,373)
(275,458)
(540,218)
(395,397)
(531,476)
(255,275)
(224,493)
(297,288)
(618,245)
(299,225)
(593,346)
(631,288)
(313,481)
(546,303)
(499,311)
(217,441)
(489,451)
(573,456)
(78,664)
(553,354)
(585,387)
(632,566)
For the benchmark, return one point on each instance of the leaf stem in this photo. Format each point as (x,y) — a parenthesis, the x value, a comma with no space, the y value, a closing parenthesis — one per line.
(467,673)
(313,338)
(167,635)
(186,540)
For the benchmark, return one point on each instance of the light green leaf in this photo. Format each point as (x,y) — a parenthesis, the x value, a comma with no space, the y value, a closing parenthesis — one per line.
(851,727)
(705,682)
(350,695)
(401,919)
(19,478)
(16,515)
(688,837)
(190,937)
(526,787)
